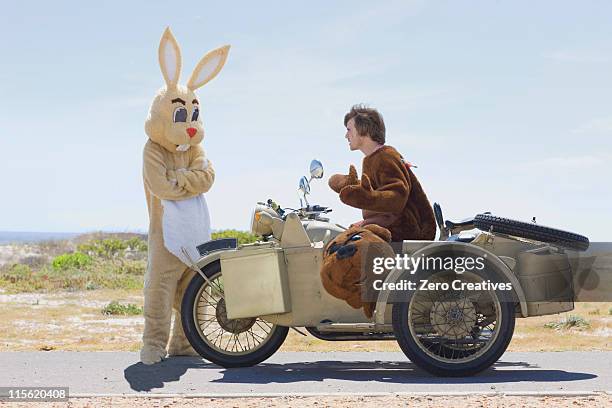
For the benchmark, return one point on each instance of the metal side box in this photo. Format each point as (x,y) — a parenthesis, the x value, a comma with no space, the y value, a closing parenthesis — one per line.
(255,282)
(545,277)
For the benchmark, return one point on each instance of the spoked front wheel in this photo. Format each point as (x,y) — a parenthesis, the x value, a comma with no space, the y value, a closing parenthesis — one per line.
(226,342)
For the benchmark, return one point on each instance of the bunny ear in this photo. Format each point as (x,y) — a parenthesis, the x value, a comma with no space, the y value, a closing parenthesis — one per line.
(169,58)
(208,67)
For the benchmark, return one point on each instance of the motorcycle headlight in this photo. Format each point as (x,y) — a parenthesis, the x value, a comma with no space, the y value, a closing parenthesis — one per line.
(257,226)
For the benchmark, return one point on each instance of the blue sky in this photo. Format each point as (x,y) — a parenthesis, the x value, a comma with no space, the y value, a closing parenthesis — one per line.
(505,106)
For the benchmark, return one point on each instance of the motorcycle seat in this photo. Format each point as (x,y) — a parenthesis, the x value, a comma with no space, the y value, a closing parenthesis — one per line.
(464,223)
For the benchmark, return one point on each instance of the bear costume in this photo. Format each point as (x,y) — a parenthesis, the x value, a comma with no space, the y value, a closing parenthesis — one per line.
(348,260)
(389,195)
(176,173)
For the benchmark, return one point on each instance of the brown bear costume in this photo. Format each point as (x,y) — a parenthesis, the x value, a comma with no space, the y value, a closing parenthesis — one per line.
(347,271)
(389,195)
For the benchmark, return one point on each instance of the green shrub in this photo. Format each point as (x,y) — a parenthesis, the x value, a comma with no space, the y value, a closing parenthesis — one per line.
(75,260)
(112,247)
(137,244)
(99,274)
(571,321)
(91,286)
(130,267)
(242,236)
(17,272)
(116,308)
(104,248)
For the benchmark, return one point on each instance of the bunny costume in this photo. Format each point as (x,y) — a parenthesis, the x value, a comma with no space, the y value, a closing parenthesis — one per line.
(176,175)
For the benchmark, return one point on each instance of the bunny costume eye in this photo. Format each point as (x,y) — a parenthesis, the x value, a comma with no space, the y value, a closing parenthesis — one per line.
(180,114)
(196,114)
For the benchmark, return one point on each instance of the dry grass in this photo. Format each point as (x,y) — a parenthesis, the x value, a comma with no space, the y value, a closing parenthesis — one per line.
(74,321)
(69,321)
(531,335)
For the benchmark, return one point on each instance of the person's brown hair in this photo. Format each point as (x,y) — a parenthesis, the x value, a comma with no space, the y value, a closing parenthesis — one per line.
(368,122)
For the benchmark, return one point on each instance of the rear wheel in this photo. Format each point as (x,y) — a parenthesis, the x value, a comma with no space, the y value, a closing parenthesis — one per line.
(223,341)
(454,332)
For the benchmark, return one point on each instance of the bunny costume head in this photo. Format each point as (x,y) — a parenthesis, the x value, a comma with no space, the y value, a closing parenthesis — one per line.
(174,120)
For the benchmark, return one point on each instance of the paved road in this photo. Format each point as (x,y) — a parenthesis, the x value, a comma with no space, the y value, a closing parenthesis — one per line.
(302,373)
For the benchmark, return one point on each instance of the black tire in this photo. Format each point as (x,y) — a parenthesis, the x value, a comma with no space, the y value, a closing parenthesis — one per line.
(412,350)
(273,342)
(487,222)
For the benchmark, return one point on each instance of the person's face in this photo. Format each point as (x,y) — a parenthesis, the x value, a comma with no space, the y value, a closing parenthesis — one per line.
(355,140)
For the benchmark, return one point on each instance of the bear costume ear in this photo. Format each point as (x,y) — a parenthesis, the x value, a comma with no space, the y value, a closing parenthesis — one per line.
(380,231)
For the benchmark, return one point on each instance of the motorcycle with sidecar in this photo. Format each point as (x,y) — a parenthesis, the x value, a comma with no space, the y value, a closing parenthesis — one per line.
(239,307)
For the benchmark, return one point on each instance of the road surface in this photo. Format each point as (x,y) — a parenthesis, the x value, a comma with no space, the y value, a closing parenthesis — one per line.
(308,373)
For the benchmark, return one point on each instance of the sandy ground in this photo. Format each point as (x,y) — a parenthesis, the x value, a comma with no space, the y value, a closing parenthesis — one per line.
(591,401)
(73,321)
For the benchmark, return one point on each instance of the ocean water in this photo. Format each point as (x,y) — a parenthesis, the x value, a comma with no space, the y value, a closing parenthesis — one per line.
(7,237)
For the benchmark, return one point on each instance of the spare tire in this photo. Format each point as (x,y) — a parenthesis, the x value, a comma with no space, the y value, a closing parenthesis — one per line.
(488,222)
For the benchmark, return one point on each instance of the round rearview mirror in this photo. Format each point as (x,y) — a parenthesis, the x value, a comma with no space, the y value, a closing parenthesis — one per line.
(304,186)
(316,169)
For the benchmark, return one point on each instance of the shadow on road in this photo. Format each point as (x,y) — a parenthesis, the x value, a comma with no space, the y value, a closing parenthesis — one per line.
(390,372)
(145,378)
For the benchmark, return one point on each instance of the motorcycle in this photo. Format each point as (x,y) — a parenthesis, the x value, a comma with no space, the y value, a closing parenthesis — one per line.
(239,307)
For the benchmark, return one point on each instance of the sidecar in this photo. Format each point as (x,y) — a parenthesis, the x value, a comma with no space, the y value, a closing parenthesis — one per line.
(238,309)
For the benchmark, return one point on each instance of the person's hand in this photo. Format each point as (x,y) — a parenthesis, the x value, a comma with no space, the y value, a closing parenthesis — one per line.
(352,178)
(338,181)
(357,195)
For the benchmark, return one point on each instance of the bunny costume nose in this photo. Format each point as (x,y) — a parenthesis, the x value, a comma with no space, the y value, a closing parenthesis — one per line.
(192,131)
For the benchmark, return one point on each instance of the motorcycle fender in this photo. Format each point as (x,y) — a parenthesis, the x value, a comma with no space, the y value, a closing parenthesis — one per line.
(210,258)
(394,275)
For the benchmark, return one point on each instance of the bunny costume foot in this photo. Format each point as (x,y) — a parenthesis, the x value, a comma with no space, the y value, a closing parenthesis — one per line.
(151,355)
(176,175)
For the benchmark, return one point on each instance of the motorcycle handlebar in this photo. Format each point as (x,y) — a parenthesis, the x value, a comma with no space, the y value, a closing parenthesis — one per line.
(308,211)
